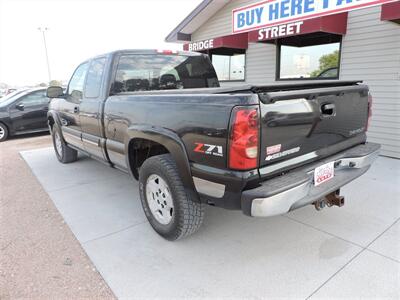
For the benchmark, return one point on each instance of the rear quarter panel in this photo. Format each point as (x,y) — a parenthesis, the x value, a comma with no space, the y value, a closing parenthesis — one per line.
(201,121)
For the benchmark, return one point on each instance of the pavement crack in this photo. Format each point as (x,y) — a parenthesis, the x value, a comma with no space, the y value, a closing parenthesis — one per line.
(112,233)
(334,274)
(326,232)
(352,259)
(383,255)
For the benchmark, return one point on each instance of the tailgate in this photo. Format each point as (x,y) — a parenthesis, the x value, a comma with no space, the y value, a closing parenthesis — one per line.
(308,124)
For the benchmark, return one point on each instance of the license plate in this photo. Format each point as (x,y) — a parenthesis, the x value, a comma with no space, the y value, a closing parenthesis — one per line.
(324,173)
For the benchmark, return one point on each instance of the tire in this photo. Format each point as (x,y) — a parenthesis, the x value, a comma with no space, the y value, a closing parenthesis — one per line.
(64,153)
(186,216)
(3,132)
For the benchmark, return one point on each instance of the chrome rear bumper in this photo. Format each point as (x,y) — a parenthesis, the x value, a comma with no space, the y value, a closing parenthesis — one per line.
(295,189)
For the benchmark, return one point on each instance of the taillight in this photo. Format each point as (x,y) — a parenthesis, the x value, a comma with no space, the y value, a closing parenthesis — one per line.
(369,109)
(244,138)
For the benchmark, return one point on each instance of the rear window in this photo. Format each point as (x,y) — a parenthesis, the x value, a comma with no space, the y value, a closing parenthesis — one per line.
(163,72)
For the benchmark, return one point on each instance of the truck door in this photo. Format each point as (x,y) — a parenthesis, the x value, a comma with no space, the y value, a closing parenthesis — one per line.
(69,112)
(91,109)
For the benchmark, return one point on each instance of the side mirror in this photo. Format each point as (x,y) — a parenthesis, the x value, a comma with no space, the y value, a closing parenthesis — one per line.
(54,92)
(20,106)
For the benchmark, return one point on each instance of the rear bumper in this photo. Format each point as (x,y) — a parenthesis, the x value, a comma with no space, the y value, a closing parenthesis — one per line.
(295,189)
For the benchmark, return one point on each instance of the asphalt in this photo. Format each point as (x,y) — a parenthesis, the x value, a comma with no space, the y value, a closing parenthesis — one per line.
(40,258)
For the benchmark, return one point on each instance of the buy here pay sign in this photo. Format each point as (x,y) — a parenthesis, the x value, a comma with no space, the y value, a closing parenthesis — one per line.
(274,12)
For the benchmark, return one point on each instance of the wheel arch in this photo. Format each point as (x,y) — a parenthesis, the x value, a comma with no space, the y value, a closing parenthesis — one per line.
(52,118)
(169,141)
(7,126)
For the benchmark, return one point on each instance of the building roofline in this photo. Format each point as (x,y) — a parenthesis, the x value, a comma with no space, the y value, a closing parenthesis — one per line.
(176,34)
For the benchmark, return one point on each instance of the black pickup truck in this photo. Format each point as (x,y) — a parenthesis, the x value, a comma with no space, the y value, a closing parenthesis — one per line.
(162,117)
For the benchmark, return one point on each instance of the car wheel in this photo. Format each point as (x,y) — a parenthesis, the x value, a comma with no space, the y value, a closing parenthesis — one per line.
(3,132)
(64,153)
(169,209)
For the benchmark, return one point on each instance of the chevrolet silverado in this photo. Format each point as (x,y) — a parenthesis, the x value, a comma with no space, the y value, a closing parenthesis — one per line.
(162,117)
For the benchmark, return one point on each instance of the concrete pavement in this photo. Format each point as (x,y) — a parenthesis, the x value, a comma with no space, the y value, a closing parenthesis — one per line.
(351,251)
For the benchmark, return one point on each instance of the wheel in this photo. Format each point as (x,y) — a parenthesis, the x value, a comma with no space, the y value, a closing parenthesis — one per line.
(3,132)
(169,209)
(64,153)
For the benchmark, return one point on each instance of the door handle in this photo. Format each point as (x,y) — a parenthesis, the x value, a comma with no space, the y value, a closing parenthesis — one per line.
(76,109)
(328,109)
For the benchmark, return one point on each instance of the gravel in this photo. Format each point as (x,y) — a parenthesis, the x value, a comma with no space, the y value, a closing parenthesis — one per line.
(40,258)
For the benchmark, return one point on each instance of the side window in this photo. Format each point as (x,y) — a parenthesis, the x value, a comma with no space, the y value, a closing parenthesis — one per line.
(75,88)
(94,77)
(35,98)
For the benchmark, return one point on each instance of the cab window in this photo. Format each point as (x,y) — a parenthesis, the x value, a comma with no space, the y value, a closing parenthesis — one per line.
(94,78)
(142,72)
(75,88)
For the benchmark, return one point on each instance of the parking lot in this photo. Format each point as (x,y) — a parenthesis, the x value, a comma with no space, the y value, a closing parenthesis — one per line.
(261,106)
(40,258)
(353,251)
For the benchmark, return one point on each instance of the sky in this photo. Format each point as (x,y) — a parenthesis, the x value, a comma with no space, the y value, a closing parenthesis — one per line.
(78,30)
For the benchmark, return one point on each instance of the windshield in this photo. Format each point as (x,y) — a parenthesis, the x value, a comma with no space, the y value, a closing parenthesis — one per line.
(140,72)
(11,97)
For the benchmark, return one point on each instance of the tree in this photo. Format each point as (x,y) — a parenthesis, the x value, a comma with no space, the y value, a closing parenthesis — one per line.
(325,62)
(55,83)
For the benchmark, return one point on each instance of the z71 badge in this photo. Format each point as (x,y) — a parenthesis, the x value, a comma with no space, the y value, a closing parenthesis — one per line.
(208,149)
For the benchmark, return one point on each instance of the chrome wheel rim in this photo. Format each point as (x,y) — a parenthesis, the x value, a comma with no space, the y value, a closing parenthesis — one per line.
(57,140)
(2,132)
(159,199)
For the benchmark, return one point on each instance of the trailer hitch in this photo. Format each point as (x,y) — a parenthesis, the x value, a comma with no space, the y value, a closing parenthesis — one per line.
(332,199)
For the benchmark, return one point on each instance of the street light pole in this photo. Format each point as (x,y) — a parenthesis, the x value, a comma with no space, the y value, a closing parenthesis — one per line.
(43,30)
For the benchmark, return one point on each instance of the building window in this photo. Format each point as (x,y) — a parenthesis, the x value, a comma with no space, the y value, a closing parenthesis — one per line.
(229,67)
(308,62)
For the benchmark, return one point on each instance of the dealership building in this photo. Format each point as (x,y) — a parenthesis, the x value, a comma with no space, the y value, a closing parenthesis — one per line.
(361,44)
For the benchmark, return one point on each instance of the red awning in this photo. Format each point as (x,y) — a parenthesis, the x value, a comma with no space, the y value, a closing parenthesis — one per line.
(333,24)
(237,41)
(391,12)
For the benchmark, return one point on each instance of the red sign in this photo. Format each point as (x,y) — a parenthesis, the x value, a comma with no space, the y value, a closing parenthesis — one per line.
(391,12)
(324,173)
(336,24)
(237,41)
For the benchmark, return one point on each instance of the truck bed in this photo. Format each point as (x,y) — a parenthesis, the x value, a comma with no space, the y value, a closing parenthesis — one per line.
(247,88)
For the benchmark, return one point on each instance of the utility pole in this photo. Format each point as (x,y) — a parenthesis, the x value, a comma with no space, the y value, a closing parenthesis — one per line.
(43,30)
